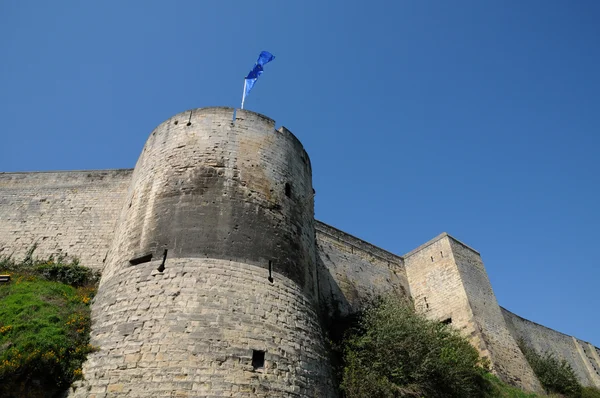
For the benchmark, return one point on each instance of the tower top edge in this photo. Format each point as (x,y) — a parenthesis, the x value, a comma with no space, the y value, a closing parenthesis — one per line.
(224,111)
(437,238)
(241,115)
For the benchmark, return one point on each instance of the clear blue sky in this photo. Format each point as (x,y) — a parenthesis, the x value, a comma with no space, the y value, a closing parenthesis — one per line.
(479,118)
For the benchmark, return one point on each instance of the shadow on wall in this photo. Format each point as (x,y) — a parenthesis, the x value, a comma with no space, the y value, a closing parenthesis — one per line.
(347,284)
(350,278)
(332,300)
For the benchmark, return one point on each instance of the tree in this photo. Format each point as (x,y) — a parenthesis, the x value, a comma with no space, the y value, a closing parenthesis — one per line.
(394,352)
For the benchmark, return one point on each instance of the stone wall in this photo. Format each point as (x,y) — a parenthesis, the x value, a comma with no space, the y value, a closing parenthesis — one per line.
(583,357)
(507,359)
(352,272)
(192,330)
(68,212)
(448,283)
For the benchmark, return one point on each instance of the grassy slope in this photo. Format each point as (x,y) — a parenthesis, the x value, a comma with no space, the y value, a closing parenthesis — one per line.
(44,335)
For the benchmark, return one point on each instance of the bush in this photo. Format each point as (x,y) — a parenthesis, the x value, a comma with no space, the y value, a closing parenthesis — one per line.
(556,376)
(57,269)
(395,353)
(70,274)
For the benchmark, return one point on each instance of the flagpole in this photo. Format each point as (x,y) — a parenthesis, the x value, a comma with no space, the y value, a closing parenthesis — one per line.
(244,94)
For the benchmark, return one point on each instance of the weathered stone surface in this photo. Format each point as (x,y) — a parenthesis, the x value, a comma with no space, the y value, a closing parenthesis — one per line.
(62,213)
(200,341)
(353,272)
(210,188)
(231,206)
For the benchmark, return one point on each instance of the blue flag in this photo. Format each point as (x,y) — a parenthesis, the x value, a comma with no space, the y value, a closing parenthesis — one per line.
(264,58)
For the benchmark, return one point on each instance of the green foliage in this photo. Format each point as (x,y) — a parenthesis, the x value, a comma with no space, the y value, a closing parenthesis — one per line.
(590,392)
(44,327)
(499,389)
(52,269)
(70,274)
(557,376)
(397,353)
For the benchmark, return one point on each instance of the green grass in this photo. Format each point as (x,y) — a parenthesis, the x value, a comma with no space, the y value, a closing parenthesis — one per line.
(590,392)
(499,389)
(44,331)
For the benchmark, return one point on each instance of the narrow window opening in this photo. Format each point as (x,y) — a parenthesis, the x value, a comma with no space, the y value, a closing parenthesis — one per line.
(426,303)
(431,258)
(144,258)
(288,190)
(441,254)
(258,359)
(161,267)
(270,271)
(447,321)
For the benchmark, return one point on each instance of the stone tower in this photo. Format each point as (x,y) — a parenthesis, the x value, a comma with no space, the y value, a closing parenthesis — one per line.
(448,282)
(209,287)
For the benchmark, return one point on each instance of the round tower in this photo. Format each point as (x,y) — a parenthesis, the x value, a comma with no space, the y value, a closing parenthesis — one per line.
(209,287)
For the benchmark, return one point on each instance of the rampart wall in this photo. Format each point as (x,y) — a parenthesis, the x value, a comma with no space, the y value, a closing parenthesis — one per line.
(583,357)
(353,272)
(65,212)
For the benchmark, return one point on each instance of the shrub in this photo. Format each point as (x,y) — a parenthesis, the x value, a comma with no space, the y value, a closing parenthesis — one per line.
(556,376)
(57,269)
(394,352)
(70,274)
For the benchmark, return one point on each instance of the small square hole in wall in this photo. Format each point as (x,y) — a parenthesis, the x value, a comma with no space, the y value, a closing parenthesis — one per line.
(447,321)
(258,359)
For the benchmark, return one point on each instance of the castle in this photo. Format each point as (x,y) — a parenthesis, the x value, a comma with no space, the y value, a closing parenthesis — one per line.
(215,272)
